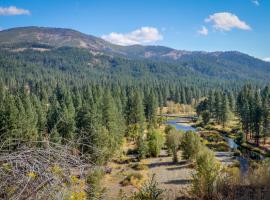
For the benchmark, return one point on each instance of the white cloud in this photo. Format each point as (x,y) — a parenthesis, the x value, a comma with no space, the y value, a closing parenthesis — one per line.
(12,10)
(203,31)
(267,59)
(226,21)
(256,2)
(139,36)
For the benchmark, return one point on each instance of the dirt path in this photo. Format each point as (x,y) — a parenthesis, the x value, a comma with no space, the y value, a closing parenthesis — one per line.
(174,178)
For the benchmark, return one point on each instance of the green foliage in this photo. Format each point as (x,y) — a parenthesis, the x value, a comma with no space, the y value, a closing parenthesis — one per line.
(133,132)
(168,129)
(142,148)
(173,141)
(206,175)
(190,145)
(134,178)
(151,105)
(95,189)
(241,138)
(149,191)
(155,142)
(139,167)
(206,116)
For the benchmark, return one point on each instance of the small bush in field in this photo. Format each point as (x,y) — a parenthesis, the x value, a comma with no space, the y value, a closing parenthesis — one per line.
(149,191)
(173,141)
(142,148)
(133,178)
(95,189)
(139,167)
(207,174)
(155,142)
(190,145)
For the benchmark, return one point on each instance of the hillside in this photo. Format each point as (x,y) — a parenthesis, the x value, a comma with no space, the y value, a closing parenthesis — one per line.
(135,61)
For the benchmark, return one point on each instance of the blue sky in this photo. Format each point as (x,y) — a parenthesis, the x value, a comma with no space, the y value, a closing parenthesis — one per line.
(209,25)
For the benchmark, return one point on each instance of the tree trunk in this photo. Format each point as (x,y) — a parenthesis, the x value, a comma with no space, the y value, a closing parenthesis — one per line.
(175,158)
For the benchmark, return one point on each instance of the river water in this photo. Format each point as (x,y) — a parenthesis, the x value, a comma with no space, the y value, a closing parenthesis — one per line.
(180,126)
(243,161)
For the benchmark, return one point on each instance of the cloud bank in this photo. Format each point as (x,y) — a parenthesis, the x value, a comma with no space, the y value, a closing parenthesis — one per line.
(226,21)
(142,35)
(267,59)
(203,31)
(12,10)
(256,2)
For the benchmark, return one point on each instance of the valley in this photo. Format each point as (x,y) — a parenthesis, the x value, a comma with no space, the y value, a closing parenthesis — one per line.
(83,118)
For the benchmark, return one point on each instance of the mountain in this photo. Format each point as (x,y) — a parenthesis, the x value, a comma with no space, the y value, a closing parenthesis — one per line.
(231,65)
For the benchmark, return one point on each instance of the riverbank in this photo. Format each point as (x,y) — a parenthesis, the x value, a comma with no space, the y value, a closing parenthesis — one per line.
(254,151)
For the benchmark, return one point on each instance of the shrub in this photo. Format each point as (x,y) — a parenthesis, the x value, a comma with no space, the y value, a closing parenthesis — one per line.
(190,145)
(228,183)
(260,176)
(206,116)
(139,166)
(207,174)
(95,189)
(142,148)
(169,128)
(133,178)
(149,191)
(237,152)
(219,146)
(155,142)
(241,138)
(173,141)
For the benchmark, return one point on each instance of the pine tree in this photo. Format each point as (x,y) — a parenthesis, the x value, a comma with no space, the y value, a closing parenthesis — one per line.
(266,112)
(8,119)
(134,115)
(225,110)
(111,120)
(151,109)
(231,100)
(257,117)
(217,107)
(30,118)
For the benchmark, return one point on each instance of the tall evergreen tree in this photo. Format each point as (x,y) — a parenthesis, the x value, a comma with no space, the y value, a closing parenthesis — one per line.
(151,109)
(225,110)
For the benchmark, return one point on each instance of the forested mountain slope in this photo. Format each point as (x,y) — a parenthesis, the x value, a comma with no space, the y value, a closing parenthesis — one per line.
(34,49)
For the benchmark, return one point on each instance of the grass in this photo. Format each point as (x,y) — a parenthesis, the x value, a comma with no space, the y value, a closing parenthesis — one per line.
(219,146)
(133,178)
(255,149)
(214,141)
(139,166)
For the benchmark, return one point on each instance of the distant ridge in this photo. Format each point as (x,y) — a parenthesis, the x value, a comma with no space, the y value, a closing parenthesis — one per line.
(213,64)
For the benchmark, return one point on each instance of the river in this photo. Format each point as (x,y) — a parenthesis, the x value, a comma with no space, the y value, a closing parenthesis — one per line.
(223,156)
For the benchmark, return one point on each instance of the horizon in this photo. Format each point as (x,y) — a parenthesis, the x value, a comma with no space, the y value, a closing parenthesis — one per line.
(211,26)
(145,45)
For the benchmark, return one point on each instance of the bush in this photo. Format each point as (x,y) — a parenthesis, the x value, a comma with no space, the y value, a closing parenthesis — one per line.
(190,145)
(169,128)
(155,142)
(237,152)
(229,183)
(219,146)
(95,189)
(260,175)
(139,167)
(142,148)
(207,175)
(149,191)
(173,141)
(241,138)
(133,178)
(206,116)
